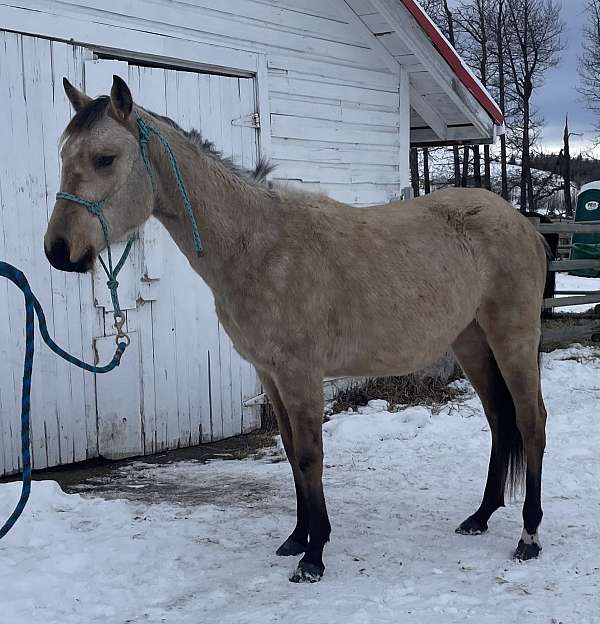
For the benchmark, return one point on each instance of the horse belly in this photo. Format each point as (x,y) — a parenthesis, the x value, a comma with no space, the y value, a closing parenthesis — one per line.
(402,338)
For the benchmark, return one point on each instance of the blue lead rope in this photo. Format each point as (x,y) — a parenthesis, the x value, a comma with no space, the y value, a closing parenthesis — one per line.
(32,309)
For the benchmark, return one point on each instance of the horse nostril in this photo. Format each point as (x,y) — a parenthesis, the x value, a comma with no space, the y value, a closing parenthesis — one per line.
(59,254)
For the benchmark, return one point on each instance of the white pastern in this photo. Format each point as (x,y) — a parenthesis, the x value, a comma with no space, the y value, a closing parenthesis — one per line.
(531,539)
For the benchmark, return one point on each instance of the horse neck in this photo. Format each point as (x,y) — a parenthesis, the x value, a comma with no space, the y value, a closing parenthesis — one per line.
(230,212)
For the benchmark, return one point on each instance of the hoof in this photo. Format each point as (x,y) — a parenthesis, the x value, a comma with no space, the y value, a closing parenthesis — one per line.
(290,548)
(526,551)
(307,573)
(472,526)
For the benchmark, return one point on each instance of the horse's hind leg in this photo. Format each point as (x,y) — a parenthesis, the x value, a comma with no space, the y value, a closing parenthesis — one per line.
(297,542)
(478,362)
(515,347)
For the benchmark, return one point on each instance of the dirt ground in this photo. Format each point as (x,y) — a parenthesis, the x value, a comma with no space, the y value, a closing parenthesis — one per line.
(138,479)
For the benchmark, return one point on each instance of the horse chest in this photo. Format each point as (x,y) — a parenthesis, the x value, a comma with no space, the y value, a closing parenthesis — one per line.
(246,330)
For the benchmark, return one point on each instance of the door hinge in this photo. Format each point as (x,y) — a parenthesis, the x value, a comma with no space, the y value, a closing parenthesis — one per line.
(248,121)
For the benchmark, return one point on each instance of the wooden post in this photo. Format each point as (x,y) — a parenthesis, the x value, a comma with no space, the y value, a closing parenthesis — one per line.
(414,171)
(426,177)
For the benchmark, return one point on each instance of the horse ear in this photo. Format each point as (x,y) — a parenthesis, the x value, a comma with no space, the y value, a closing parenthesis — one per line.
(77,98)
(120,99)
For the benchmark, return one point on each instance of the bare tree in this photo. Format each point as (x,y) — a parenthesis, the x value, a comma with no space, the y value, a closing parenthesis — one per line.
(474,18)
(443,16)
(499,39)
(589,60)
(532,43)
(566,170)
(452,38)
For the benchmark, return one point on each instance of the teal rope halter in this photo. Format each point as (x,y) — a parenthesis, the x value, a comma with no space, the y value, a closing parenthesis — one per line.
(95,208)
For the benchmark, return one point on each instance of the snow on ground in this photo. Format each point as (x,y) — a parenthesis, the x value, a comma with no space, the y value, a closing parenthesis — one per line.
(564,281)
(397,484)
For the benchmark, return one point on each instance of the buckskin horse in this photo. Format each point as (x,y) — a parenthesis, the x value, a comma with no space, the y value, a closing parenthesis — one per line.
(308,287)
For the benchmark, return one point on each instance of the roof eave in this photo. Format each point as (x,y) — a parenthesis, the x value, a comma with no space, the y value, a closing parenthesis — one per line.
(451,56)
(462,87)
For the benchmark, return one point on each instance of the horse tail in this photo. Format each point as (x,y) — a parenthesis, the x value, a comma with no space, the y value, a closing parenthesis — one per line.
(510,441)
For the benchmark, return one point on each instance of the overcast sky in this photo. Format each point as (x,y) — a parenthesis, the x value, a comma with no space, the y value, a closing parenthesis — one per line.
(558,95)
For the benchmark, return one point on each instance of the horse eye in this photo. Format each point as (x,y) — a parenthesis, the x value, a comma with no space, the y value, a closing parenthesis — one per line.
(103,161)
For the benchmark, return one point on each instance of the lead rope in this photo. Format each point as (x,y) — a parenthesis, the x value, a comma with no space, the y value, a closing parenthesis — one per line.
(33,306)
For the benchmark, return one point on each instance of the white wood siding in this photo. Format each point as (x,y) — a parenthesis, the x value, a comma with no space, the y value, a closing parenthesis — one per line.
(334,104)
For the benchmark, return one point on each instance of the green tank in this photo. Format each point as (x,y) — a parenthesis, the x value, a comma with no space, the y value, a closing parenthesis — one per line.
(587,246)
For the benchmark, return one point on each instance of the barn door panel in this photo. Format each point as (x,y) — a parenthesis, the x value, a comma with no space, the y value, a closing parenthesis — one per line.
(156,315)
(119,406)
(200,382)
(36,112)
(188,313)
(118,395)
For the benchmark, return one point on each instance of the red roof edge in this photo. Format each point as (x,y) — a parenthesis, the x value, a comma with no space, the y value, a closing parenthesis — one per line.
(453,59)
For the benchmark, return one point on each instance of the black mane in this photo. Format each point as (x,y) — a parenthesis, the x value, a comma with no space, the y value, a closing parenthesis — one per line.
(260,172)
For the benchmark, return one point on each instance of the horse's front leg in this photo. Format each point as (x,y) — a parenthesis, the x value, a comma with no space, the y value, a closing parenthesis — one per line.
(297,542)
(303,400)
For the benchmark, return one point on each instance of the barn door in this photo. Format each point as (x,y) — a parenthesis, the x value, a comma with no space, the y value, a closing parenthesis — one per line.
(192,383)
(181,382)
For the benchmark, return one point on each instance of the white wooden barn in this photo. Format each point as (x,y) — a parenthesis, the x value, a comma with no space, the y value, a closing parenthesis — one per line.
(333,92)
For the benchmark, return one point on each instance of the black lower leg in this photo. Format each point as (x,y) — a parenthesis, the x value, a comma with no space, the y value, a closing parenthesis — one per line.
(297,542)
(304,407)
(493,496)
(311,566)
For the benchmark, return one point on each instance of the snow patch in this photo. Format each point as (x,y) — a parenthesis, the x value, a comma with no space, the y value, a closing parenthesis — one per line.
(564,281)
